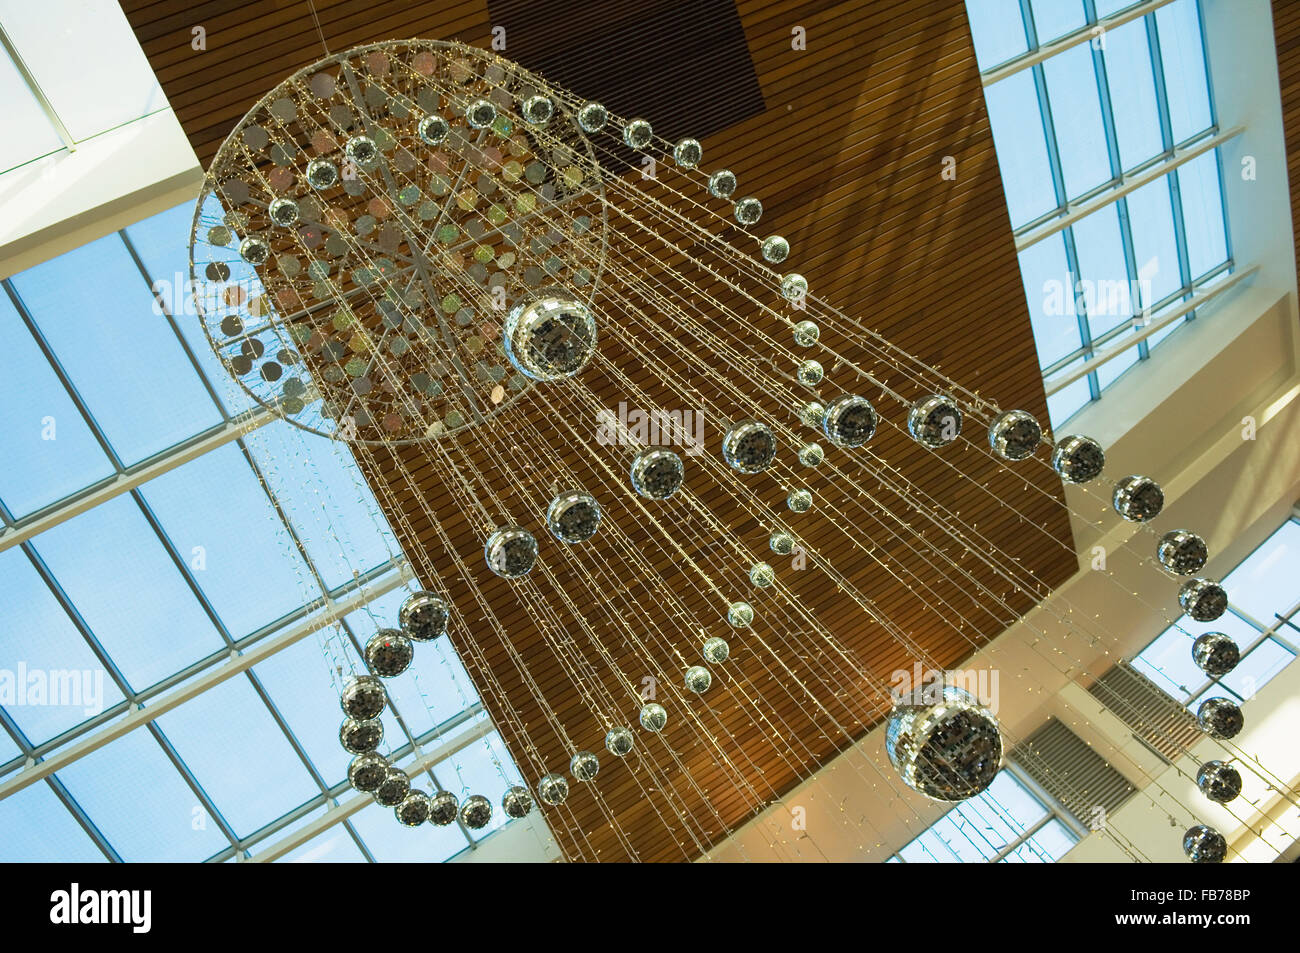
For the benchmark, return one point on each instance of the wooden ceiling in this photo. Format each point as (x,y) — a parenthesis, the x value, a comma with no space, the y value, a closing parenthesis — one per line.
(846,143)
(1286,34)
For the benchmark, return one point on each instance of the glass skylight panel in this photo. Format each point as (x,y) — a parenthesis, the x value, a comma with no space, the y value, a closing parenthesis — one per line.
(220,520)
(1155,247)
(161,241)
(38,829)
(326,498)
(1258,667)
(332,846)
(1102,270)
(1068,401)
(390,842)
(30,132)
(1053,19)
(1127,55)
(1113,369)
(58,665)
(997,30)
(229,740)
(125,585)
(1021,148)
(1168,663)
(1268,581)
(87,61)
(41,426)
(1076,119)
(97,314)
(1183,55)
(141,804)
(1049,292)
(1048,845)
(1202,201)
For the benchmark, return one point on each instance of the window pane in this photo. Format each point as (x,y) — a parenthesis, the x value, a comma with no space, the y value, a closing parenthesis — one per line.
(72,685)
(1021,147)
(140,803)
(1055,18)
(31,134)
(1113,369)
(1102,270)
(117,574)
(1202,202)
(1183,56)
(997,29)
(1132,93)
(1168,662)
(218,517)
(1050,295)
(1064,404)
(1155,250)
(40,830)
(1076,119)
(333,846)
(390,842)
(1048,845)
(241,758)
(95,309)
(1268,581)
(39,425)
(1258,668)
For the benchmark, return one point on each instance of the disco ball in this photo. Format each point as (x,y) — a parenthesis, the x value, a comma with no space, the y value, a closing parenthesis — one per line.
(1220,718)
(476,812)
(637,134)
(413,810)
(740,614)
(1138,498)
(811,454)
(511,552)
(361,298)
(1078,459)
(653,716)
(619,741)
(553,789)
(716,650)
(698,679)
(748,210)
(1182,552)
(394,788)
(850,421)
(722,184)
(799,501)
(781,543)
(687,153)
(358,737)
(948,751)
(1215,654)
(367,772)
(806,333)
(809,373)
(573,517)
(657,474)
(363,697)
(517,802)
(812,414)
(443,808)
(584,765)
(389,653)
(592,117)
(1202,599)
(1014,435)
(1204,845)
(794,286)
(749,446)
(1219,781)
(934,421)
(775,249)
(762,575)
(550,337)
(423,616)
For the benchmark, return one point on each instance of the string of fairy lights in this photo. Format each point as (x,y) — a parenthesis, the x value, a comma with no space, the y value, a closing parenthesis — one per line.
(422,250)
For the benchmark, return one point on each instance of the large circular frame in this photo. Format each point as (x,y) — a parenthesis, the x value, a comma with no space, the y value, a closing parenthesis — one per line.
(353,260)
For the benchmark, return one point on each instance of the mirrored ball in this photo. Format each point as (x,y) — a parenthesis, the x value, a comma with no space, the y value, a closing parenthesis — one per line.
(480,114)
(1220,718)
(1219,781)
(414,809)
(1078,459)
(1182,552)
(809,373)
(749,446)
(423,616)
(811,454)
(698,679)
(584,766)
(517,802)
(850,421)
(748,210)
(740,614)
(781,543)
(592,117)
(948,751)
(537,110)
(1204,845)
(1014,435)
(359,736)
(553,789)
(362,151)
(284,212)
(806,333)
(934,421)
(799,501)
(321,174)
(794,287)
(254,250)
(432,130)
(1215,653)
(367,771)
(637,134)
(619,741)
(653,716)
(657,474)
(389,653)
(1138,498)
(573,517)
(762,575)
(363,697)
(511,552)
(1202,599)
(476,812)
(393,789)
(443,808)
(715,650)
(775,249)
(549,337)
(722,184)
(687,153)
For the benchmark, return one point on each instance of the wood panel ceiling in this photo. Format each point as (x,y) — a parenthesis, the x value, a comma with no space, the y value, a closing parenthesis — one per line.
(1286,34)
(845,143)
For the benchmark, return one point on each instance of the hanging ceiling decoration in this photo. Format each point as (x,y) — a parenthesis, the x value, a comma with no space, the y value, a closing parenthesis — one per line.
(428,252)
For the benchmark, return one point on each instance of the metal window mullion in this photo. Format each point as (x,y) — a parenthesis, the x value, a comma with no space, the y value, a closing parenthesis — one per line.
(361,844)
(184,770)
(171,322)
(74,395)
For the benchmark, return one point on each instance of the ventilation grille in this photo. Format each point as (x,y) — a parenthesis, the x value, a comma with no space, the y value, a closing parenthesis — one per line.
(1071,772)
(1156,719)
